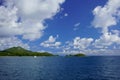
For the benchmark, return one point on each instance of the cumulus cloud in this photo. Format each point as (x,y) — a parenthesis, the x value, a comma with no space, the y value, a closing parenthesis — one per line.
(51,42)
(10,27)
(12,42)
(25,18)
(32,30)
(82,43)
(32,14)
(38,9)
(8,22)
(101,52)
(77,45)
(107,40)
(106,16)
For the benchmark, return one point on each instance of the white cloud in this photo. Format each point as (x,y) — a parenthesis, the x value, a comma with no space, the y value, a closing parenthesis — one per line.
(8,19)
(32,30)
(66,14)
(51,39)
(51,42)
(67,52)
(12,42)
(32,13)
(57,44)
(82,43)
(106,16)
(90,47)
(10,27)
(38,9)
(78,45)
(103,52)
(107,40)
(76,26)
(91,51)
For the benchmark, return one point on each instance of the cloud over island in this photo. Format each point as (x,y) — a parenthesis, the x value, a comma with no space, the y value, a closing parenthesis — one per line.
(29,22)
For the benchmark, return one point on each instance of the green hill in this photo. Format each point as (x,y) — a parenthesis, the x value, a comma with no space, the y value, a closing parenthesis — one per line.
(19,51)
(78,55)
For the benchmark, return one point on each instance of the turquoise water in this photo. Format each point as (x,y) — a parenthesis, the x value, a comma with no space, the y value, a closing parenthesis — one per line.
(60,68)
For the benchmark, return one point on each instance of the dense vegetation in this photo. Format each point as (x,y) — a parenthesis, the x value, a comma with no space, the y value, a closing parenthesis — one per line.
(79,55)
(18,51)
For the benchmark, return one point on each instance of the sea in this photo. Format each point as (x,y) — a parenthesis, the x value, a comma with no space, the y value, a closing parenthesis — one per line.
(60,68)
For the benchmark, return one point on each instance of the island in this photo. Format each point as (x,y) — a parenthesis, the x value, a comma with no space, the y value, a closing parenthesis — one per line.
(77,55)
(19,51)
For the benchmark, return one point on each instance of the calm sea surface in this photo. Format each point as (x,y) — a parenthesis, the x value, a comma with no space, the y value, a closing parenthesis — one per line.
(60,68)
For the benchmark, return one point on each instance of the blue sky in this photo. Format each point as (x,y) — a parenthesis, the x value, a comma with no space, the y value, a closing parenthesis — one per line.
(61,26)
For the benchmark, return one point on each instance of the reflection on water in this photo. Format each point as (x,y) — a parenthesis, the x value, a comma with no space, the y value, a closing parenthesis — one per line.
(59,68)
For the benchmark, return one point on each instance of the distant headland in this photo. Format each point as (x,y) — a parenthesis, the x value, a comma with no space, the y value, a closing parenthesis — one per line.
(19,51)
(77,55)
